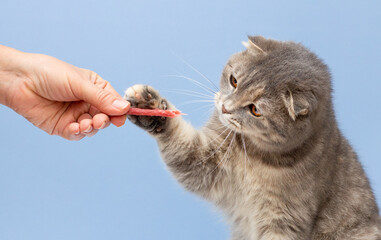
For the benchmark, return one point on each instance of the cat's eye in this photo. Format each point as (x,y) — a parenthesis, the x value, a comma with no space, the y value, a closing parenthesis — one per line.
(233,81)
(254,110)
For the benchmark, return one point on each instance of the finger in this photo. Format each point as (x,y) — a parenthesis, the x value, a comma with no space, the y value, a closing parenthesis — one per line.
(101,121)
(74,128)
(100,82)
(93,111)
(67,126)
(72,132)
(92,133)
(93,91)
(118,120)
(85,123)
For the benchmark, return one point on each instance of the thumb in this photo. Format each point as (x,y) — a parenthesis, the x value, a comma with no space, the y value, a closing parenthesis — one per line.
(102,95)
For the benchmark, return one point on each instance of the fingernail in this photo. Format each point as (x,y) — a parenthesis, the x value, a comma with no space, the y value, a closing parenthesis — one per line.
(89,129)
(103,125)
(120,104)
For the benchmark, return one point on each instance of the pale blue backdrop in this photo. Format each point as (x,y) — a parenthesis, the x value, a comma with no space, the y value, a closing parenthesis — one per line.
(114,185)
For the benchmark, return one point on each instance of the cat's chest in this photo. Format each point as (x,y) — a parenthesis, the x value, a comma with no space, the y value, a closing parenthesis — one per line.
(261,187)
(259,196)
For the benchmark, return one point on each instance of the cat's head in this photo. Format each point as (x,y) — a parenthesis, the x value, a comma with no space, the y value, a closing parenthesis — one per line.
(275,93)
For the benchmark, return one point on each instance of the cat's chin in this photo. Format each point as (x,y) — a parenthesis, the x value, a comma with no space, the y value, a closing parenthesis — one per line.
(231,123)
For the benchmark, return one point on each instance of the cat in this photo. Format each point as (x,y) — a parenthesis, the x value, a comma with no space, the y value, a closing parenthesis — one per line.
(271,157)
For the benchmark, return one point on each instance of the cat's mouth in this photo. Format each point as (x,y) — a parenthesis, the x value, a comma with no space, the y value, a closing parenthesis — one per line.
(231,123)
(235,123)
(228,121)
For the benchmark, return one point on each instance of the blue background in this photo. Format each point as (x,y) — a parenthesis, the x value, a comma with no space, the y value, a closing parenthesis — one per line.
(114,185)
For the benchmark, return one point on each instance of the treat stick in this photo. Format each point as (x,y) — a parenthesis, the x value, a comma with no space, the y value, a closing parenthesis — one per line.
(154,112)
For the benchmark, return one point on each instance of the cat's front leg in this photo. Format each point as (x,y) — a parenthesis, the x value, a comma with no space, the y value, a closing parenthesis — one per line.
(186,151)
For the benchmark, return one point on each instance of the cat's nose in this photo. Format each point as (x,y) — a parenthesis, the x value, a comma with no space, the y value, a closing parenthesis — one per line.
(224,110)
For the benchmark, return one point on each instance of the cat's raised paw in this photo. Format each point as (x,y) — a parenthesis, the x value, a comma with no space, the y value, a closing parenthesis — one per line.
(144,96)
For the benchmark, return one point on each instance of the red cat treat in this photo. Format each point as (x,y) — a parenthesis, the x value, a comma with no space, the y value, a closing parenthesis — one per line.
(154,112)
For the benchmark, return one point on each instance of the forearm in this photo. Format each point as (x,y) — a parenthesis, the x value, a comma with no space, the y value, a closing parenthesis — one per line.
(13,70)
(192,156)
(189,155)
(4,86)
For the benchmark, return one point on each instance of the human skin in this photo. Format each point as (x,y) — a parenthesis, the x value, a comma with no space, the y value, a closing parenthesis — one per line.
(57,97)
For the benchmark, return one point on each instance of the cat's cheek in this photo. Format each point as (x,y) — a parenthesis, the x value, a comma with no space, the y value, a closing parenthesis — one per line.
(223,120)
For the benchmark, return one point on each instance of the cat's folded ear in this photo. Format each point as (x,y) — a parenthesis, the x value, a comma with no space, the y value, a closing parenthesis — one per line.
(253,47)
(299,103)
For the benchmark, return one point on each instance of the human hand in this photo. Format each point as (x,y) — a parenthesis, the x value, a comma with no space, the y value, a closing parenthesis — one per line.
(57,97)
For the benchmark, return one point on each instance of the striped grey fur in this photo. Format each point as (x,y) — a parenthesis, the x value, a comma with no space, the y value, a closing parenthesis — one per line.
(285,174)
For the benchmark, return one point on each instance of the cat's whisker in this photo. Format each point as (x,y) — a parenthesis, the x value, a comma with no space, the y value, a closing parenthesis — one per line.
(193,95)
(199,82)
(219,147)
(197,71)
(223,126)
(230,150)
(206,88)
(196,101)
(208,112)
(205,106)
(244,148)
(195,92)
(190,93)
(219,135)
(226,153)
(210,109)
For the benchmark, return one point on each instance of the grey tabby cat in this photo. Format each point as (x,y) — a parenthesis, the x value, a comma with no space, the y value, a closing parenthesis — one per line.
(272,156)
